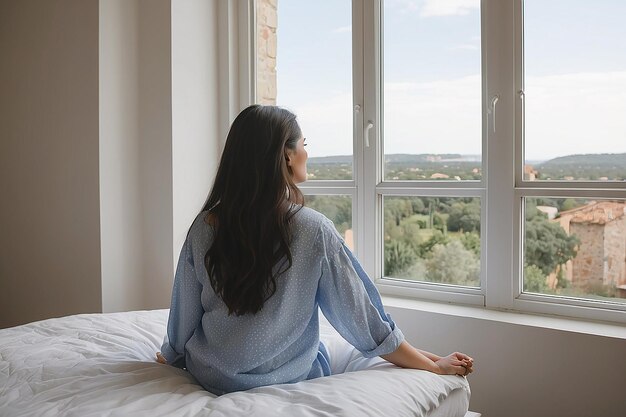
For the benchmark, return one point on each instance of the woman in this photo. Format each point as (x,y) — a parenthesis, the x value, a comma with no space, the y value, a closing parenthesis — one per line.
(256,265)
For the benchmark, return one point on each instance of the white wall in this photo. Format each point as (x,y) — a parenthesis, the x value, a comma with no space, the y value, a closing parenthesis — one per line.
(195,108)
(49,221)
(135,153)
(120,202)
(527,370)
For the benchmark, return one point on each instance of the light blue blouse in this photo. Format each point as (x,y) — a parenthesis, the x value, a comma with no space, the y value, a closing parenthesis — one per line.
(279,344)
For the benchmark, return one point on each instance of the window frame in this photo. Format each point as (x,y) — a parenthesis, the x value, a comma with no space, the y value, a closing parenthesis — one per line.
(538,303)
(501,189)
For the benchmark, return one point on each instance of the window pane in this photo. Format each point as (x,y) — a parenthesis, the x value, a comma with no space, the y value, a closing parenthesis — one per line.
(432,90)
(304,63)
(575,247)
(434,239)
(337,208)
(575,90)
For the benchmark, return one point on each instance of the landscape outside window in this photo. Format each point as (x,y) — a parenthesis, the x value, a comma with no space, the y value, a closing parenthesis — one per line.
(297,41)
(575,130)
(433,239)
(575,98)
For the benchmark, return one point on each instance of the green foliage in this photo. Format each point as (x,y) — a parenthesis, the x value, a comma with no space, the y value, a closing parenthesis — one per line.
(547,244)
(561,281)
(399,257)
(337,208)
(439,223)
(585,167)
(471,242)
(535,280)
(453,264)
(398,209)
(437,238)
(464,217)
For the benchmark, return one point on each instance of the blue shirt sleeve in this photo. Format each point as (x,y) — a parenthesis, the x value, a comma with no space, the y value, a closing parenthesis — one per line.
(350,301)
(186,308)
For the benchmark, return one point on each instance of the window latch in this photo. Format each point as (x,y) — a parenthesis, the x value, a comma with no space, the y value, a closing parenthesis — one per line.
(492,110)
(369,126)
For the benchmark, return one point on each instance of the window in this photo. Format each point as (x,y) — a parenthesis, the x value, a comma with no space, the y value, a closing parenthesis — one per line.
(572,154)
(296,44)
(448,183)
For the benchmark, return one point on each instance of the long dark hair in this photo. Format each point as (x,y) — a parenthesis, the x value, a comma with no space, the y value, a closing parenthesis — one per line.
(251,205)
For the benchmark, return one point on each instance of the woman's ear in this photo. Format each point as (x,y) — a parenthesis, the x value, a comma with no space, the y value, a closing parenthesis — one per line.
(287,158)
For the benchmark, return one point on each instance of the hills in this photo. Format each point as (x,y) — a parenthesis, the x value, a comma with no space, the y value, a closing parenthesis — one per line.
(400,158)
(604,159)
(614,160)
(581,167)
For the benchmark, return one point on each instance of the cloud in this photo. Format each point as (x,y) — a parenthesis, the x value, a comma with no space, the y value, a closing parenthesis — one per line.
(565,114)
(575,113)
(468,47)
(342,29)
(326,122)
(405,6)
(433,8)
(433,117)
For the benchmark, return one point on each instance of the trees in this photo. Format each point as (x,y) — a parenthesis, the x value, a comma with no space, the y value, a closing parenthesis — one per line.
(464,217)
(534,279)
(547,244)
(399,257)
(337,208)
(453,264)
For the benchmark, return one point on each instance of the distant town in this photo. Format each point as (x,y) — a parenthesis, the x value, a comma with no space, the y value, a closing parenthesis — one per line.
(587,167)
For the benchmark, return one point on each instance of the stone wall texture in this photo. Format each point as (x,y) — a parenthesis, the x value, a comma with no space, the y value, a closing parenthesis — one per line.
(267,21)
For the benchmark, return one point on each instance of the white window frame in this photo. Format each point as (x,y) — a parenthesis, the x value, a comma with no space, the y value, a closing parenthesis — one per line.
(500,190)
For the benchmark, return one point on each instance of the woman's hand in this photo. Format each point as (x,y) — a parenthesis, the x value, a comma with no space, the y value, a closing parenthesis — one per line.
(160,358)
(455,364)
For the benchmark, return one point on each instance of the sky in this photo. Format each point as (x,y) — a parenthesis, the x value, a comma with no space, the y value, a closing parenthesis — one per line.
(575,75)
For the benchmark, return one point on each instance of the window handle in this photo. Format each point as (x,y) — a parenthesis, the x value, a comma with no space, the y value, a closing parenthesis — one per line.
(492,110)
(369,126)
(357,110)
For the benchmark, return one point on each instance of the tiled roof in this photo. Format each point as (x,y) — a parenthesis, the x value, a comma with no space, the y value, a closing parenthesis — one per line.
(597,212)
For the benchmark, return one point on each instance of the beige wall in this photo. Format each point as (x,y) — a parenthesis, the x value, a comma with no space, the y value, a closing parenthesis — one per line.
(49,222)
(524,370)
(108,149)
(135,153)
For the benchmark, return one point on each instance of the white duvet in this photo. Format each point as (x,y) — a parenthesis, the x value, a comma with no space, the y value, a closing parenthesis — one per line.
(102,365)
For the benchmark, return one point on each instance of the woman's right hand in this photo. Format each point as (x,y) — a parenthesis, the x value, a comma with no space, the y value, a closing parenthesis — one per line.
(455,364)
(160,358)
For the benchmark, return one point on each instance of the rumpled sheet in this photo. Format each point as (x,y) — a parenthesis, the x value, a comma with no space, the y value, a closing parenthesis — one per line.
(103,365)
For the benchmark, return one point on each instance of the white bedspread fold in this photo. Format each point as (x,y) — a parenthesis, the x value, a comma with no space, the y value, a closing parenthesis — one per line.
(102,365)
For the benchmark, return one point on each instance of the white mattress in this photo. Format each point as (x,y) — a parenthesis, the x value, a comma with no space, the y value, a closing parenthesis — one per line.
(102,365)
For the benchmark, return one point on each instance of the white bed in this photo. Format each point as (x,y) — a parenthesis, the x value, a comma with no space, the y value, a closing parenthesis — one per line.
(102,365)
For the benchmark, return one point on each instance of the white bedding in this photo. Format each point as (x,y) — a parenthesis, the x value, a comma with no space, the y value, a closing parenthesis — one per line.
(102,365)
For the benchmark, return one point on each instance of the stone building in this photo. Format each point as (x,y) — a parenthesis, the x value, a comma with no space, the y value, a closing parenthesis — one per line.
(601,258)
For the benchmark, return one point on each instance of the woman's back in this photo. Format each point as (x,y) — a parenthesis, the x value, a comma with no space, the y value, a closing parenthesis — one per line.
(249,280)
(280,343)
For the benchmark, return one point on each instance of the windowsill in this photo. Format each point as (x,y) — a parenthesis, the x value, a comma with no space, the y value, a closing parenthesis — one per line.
(524,319)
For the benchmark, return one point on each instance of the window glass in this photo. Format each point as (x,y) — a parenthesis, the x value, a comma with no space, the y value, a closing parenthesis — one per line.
(432,90)
(304,63)
(433,239)
(575,247)
(338,208)
(575,90)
